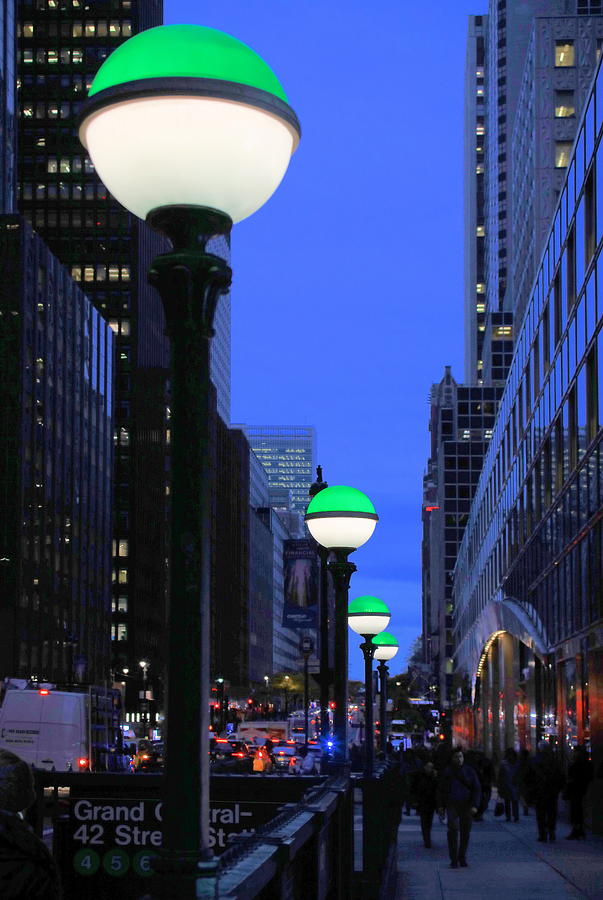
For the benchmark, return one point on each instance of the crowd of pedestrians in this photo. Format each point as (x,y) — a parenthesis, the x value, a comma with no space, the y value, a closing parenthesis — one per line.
(458,786)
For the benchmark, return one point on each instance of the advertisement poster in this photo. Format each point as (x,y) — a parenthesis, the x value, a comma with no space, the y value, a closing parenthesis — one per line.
(301,584)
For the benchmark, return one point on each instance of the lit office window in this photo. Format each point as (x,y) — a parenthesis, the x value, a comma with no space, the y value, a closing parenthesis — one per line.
(565,104)
(123,547)
(122,576)
(562,154)
(564,54)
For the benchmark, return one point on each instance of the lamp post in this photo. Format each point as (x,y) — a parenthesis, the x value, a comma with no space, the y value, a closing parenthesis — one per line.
(386,647)
(368,616)
(266,683)
(190,130)
(143,698)
(341,519)
(323,624)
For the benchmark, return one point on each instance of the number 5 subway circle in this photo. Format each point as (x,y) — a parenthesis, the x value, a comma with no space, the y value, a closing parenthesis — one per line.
(130,823)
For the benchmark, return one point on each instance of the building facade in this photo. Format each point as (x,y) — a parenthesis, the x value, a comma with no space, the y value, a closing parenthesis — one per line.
(108,251)
(527,590)
(8,105)
(561,57)
(56,440)
(474,199)
(461,421)
(288,454)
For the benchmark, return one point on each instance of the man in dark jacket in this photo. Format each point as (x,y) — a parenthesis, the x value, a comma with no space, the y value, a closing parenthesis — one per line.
(27,869)
(459,795)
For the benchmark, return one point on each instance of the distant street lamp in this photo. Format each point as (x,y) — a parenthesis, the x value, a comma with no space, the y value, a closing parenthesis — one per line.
(386,647)
(341,519)
(190,130)
(368,616)
(323,627)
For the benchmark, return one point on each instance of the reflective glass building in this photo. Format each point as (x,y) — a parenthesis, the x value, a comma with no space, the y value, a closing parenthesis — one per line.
(288,455)
(528,593)
(56,454)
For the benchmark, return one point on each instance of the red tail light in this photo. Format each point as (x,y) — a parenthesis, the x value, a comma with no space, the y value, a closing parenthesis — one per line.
(239,755)
(43,692)
(82,762)
(145,756)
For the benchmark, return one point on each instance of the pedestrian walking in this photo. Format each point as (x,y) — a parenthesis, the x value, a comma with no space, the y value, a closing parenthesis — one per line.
(579,776)
(524,764)
(459,796)
(544,779)
(424,796)
(507,786)
(408,771)
(484,770)
(27,869)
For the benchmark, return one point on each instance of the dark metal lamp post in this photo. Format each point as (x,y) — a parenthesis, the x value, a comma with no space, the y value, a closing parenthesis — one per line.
(323,625)
(386,647)
(191,131)
(341,519)
(368,616)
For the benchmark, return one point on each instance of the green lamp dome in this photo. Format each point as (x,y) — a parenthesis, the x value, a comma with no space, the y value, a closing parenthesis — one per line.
(386,646)
(184,115)
(186,51)
(341,517)
(368,615)
(340,499)
(385,639)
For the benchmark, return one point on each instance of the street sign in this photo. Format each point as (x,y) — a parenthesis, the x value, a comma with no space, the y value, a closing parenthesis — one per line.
(110,842)
(307,645)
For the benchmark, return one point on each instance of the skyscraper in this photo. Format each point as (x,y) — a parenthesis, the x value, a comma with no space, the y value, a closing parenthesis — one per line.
(56,359)
(61,46)
(8,103)
(288,454)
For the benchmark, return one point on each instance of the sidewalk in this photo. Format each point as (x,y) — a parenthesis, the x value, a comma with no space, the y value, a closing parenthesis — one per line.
(505,860)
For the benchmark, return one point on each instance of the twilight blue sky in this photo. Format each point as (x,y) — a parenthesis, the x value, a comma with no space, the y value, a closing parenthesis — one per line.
(347,289)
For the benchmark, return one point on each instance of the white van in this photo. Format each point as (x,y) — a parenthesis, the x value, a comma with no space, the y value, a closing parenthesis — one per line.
(62,730)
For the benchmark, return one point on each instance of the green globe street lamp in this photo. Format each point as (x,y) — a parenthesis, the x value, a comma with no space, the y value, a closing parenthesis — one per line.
(341,519)
(386,647)
(190,130)
(368,616)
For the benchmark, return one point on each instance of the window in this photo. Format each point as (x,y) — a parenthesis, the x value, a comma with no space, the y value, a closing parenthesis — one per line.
(123,547)
(564,104)
(119,632)
(562,154)
(564,53)
(122,576)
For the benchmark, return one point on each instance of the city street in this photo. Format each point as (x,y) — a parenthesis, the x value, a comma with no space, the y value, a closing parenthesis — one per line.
(504,859)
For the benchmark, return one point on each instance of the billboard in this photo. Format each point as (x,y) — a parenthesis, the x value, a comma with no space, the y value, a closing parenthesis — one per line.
(301,584)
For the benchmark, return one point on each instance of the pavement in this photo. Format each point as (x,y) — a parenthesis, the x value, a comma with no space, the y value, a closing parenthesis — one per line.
(504,860)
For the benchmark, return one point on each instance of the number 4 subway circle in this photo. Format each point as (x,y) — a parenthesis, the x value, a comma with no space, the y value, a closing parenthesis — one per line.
(134,823)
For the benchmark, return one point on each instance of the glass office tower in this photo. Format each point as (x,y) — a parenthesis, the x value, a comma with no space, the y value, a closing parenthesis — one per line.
(56,454)
(527,589)
(288,454)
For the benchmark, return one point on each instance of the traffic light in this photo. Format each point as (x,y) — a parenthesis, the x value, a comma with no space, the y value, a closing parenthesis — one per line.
(332,704)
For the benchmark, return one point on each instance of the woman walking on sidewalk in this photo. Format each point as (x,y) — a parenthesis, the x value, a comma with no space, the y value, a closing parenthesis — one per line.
(459,795)
(424,798)
(507,784)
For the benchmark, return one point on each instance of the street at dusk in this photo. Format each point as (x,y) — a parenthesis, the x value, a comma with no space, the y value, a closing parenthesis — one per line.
(301,481)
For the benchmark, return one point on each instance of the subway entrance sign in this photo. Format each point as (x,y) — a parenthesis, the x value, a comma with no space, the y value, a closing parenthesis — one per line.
(113,825)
